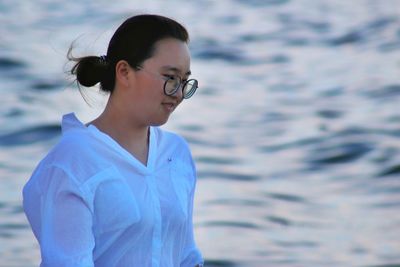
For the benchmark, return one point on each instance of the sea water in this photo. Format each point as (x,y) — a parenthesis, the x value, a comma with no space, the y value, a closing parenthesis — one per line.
(295,128)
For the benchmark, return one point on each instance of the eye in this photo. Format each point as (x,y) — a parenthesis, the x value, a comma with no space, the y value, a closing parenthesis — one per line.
(170,77)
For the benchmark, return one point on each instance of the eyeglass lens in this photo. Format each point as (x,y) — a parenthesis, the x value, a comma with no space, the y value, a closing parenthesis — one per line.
(174,83)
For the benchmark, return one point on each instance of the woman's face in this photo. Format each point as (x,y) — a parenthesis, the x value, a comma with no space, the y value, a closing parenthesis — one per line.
(171,57)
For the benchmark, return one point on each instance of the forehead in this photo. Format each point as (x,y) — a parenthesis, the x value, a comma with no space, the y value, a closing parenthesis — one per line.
(171,53)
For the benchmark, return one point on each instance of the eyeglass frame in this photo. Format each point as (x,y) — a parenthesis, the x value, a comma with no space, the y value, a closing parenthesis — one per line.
(168,77)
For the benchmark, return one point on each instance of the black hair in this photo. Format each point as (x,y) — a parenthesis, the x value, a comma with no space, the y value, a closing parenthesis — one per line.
(133,41)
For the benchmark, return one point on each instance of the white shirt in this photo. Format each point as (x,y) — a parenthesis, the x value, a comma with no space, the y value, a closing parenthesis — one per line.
(91,203)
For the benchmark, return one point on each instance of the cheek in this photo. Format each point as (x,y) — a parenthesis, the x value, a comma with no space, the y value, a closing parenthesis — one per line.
(150,90)
(155,85)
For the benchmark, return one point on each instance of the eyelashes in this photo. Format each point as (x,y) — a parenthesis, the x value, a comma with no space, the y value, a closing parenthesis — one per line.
(174,77)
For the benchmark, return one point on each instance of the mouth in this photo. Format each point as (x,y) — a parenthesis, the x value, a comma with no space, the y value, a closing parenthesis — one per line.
(169,106)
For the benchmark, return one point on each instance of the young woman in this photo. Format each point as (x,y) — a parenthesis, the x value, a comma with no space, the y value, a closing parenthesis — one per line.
(118,191)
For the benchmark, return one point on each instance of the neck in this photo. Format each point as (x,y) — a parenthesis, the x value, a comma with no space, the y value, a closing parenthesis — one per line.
(132,136)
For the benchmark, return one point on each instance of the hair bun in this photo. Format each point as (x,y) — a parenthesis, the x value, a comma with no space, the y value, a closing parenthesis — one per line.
(90,70)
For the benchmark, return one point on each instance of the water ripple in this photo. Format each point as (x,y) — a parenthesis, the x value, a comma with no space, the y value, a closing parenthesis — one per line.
(330,113)
(287,244)
(355,36)
(47,85)
(14,112)
(231,224)
(279,59)
(228,176)
(390,171)
(10,64)
(217,160)
(220,263)
(30,135)
(287,197)
(381,23)
(338,153)
(289,145)
(279,220)
(386,265)
(13,226)
(387,92)
(386,205)
(262,3)
(228,54)
(389,46)
(332,92)
(237,202)
(363,33)
(10,230)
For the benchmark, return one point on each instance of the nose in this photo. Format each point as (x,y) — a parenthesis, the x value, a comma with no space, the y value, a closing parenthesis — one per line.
(179,93)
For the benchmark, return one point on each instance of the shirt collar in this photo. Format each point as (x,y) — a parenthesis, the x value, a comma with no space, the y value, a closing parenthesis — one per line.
(70,122)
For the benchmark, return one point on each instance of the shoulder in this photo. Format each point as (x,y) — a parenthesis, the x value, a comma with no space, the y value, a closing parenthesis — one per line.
(73,147)
(74,165)
(77,154)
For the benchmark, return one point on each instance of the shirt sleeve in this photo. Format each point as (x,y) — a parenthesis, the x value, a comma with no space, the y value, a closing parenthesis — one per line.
(192,255)
(66,238)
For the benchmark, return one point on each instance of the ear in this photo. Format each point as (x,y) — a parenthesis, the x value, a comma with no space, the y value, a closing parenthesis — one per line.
(122,70)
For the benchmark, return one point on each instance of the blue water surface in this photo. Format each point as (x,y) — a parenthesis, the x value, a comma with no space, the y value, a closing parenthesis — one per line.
(295,128)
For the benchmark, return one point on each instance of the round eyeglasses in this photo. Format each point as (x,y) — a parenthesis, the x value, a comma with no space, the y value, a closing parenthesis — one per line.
(174,82)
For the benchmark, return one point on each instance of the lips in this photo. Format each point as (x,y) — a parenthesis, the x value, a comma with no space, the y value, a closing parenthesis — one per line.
(169,106)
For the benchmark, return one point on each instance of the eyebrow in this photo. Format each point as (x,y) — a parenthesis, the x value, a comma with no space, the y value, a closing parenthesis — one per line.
(171,68)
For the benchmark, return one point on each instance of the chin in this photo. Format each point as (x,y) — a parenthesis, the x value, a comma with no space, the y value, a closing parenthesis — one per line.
(159,122)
